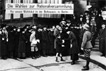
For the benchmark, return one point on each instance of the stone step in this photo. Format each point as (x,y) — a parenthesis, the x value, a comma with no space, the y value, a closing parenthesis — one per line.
(97,40)
(96,46)
(95,49)
(96,43)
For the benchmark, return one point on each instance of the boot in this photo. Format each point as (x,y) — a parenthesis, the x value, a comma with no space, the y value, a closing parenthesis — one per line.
(85,68)
(87,64)
(62,59)
(73,62)
(57,59)
(32,55)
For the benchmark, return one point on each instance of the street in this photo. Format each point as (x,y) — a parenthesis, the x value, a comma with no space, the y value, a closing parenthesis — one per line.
(44,64)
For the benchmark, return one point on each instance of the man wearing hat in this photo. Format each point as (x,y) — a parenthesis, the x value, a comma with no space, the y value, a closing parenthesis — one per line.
(86,45)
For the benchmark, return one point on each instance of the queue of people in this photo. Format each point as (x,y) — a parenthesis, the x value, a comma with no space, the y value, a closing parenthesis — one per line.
(16,42)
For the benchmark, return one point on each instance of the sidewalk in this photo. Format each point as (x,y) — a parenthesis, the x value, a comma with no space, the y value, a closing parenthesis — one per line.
(49,64)
(97,59)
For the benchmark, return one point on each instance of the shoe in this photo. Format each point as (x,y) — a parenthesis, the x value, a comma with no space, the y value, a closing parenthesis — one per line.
(72,63)
(85,68)
(33,57)
(62,59)
(57,59)
(102,55)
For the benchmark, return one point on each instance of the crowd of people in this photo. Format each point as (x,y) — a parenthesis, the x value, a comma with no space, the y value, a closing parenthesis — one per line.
(69,37)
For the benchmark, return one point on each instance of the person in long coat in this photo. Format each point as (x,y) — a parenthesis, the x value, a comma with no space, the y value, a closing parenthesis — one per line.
(0,41)
(11,43)
(22,45)
(28,48)
(57,30)
(86,45)
(102,41)
(16,41)
(74,48)
(45,41)
(4,44)
(39,45)
(51,39)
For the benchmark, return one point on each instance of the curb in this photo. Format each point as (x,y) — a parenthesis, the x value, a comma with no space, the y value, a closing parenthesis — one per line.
(95,62)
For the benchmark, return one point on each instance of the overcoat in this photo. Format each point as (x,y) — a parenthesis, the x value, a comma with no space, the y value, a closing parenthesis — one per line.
(102,40)
(0,43)
(58,45)
(22,44)
(74,49)
(11,40)
(4,45)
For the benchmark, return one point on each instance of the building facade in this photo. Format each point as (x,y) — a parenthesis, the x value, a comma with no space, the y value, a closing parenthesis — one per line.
(79,8)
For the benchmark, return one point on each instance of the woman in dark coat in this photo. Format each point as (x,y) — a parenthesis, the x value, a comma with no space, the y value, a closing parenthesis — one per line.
(16,41)
(11,43)
(39,45)
(28,48)
(51,39)
(45,41)
(74,50)
(22,45)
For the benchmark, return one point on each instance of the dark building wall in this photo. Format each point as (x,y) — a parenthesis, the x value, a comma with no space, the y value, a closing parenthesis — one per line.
(101,3)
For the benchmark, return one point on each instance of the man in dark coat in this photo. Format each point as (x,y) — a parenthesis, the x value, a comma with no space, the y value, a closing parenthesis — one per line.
(4,43)
(74,49)
(102,40)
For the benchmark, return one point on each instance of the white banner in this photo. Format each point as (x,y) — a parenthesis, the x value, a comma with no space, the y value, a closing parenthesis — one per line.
(34,8)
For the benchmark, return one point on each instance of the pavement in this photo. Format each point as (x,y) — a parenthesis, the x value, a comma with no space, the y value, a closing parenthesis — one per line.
(49,64)
(97,59)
